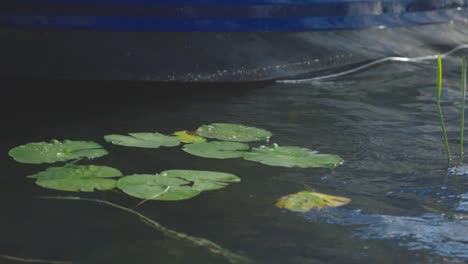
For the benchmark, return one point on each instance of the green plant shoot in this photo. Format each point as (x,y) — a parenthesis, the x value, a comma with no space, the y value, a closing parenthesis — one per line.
(439,92)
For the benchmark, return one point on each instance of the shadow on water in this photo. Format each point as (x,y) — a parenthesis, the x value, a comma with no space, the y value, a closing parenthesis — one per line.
(90,95)
(81,105)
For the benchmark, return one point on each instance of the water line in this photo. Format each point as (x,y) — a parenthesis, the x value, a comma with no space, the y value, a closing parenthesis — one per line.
(370,64)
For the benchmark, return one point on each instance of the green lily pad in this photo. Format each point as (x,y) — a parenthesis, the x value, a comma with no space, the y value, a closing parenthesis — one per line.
(203,180)
(77,178)
(217,149)
(44,152)
(185,136)
(174,184)
(292,157)
(143,140)
(305,201)
(156,187)
(233,132)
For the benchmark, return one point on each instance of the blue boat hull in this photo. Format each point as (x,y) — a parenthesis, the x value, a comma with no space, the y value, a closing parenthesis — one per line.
(226,15)
(217,40)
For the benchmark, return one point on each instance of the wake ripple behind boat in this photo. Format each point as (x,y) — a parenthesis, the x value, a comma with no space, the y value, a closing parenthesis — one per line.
(218,40)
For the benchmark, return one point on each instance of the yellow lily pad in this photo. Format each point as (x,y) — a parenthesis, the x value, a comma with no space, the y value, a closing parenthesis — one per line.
(185,136)
(305,201)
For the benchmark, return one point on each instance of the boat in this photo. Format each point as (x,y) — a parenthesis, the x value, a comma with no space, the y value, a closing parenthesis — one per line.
(217,40)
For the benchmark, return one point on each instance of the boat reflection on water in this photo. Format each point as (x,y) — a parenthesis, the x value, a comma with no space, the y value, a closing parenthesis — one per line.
(218,40)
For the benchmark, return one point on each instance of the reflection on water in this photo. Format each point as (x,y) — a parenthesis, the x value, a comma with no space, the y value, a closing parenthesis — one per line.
(436,233)
(462,206)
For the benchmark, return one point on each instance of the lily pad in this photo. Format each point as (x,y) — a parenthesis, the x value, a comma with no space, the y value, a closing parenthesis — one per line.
(203,180)
(45,152)
(233,132)
(143,140)
(77,178)
(292,157)
(174,184)
(156,187)
(217,149)
(185,136)
(305,201)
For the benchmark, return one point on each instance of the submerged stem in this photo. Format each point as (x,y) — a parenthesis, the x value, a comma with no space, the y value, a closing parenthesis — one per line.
(462,115)
(444,132)
(29,260)
(156,195)
(198,241)
(439,92)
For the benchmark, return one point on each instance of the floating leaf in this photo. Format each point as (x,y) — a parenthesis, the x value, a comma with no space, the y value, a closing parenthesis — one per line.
(174,184)
(292,157)
(77,178)
(233,132)
(216,149)
(188,137)
(203,180)
(143,140)
(305,201)
(156,187)
(44,152)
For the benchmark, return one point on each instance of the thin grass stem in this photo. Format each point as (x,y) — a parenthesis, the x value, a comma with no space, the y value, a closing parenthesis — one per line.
(462,115)
(439,93)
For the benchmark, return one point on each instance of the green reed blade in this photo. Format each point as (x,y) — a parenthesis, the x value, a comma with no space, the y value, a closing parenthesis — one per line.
(439,77)
(462,115)
(439,92)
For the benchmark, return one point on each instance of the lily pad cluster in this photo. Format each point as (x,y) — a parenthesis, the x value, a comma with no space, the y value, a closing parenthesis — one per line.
(77,178)
(168,185)
(233,145)
(174,184)
(227,141)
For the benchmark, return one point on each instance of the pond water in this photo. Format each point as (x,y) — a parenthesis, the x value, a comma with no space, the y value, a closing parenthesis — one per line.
(383,122)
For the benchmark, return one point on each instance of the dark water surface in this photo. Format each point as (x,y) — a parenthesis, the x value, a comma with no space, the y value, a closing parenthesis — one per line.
(383,122)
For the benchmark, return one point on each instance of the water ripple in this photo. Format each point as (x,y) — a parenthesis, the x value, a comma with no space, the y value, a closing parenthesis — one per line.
(439,234)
